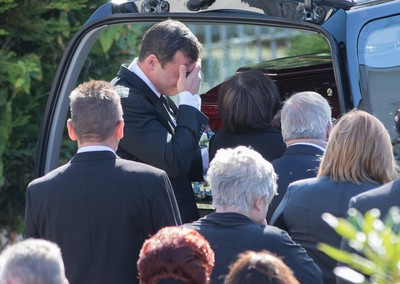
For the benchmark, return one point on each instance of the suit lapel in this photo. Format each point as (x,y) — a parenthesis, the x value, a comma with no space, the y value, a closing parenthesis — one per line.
(136,83)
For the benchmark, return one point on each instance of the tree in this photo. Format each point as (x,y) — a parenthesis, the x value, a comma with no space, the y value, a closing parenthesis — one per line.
(33,36)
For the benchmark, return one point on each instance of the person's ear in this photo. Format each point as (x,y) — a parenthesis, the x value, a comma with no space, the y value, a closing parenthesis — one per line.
(71,131)
(259,208)
(119,129)
(259,204)
(151,62)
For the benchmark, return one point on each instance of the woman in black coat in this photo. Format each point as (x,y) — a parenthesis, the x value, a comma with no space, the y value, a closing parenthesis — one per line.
(247,103)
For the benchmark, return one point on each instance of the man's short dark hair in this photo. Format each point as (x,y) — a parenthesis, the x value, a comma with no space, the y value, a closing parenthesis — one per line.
(165,38)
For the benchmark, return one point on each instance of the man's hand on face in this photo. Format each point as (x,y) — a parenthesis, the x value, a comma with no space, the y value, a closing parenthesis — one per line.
(189,82)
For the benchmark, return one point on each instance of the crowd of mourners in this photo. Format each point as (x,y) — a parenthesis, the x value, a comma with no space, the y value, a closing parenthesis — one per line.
(122,210)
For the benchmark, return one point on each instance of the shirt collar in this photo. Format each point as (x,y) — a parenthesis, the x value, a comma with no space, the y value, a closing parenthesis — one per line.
(134,67)
(95,148)
(310,144)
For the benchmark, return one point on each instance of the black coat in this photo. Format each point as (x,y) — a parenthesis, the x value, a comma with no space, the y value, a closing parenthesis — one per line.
(99,209)
(231,233)
(268,142)
(298,162)
(151,137)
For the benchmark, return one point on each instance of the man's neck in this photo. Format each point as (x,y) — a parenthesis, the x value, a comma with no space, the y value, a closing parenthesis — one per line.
(108,143)
(95,148)
(136,68)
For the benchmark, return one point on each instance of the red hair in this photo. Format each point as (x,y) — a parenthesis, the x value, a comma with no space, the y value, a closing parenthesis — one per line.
(177,253)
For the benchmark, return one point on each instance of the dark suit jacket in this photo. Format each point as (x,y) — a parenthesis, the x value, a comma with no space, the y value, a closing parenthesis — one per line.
(231,233)
(151,137)
(300,212)
(382,198)
(99,209)
(298,162)
(268,142)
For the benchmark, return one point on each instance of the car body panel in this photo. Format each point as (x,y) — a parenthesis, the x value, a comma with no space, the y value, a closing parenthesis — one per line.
(345,28)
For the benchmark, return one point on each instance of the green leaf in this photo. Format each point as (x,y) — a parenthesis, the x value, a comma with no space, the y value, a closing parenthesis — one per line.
(341,226)
(369,219)
(350,275)
(377,243)
(19,82)
(106,40)
(358,262)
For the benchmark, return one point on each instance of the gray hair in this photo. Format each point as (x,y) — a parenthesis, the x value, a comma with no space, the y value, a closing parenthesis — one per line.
(239,176)
(32,261)
(305,115)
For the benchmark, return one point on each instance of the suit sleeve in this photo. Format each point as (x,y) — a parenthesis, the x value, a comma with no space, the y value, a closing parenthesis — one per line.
(296,257)
(164,207)
(146,138)
(30,229)
(196,168)
(212,147)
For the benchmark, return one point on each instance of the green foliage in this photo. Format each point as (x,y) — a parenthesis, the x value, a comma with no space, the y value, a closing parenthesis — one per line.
(312,43)
(118,44)
(374,246)
(33,36)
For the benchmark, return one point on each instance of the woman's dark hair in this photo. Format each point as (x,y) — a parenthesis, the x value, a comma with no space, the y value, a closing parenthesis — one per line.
(176,255)
(248,100)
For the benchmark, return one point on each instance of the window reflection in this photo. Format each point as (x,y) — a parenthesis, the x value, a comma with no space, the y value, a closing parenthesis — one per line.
(379,58)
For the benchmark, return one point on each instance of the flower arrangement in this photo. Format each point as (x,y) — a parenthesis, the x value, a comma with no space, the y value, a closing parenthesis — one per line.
(201,190)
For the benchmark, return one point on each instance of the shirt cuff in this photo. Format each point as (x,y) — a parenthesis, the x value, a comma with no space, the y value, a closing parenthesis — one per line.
(186,98)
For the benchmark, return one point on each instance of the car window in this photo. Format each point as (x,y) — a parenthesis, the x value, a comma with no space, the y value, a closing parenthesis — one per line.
(379,59)
(226,48)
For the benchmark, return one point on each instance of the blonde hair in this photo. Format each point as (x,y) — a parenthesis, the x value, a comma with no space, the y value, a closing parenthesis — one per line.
(359,150)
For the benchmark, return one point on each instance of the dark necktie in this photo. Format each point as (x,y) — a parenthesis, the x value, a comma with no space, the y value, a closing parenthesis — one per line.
(167,106)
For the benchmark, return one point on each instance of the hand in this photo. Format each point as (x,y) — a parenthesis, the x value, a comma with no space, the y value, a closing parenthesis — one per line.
(191,82)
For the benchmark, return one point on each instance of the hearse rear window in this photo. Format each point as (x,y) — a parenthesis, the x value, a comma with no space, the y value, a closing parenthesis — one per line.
(292,57)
